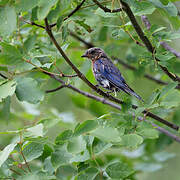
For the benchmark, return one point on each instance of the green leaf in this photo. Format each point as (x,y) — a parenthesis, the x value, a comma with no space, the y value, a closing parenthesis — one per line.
(168,88)
(65,32)
(107,134)
(170,8)
(48,165)
(149,133)
(60,22)
(7,88)
(66,171)
(64,136)
(81,157)
(88,174)
(30,42)
(143,8)
(100,146)
(76,145)
(119,170)
(27,90)
(25,5)
(33,151)
(154,97)
(84,25)
(44,6)
(5,113)
(7,20)
(131,141)
(85,127)
(10,55)
(60,157)
(4,154)
(35,131)
(164,56)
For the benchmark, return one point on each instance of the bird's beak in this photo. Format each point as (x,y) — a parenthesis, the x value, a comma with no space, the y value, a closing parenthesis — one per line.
(84,55)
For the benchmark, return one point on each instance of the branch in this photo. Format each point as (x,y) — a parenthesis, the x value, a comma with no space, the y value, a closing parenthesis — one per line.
(107,102)
(168,48)
(105,9)
(73,12)
(56,89)
(87,44)
(162,130)
(3,76)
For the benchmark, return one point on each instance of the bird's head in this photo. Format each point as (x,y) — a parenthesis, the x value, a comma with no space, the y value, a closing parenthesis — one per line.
(94,53)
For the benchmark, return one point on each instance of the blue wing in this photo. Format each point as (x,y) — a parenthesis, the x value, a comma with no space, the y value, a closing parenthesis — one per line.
(113,75)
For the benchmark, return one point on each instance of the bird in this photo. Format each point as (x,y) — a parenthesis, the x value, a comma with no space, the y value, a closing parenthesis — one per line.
(106,73)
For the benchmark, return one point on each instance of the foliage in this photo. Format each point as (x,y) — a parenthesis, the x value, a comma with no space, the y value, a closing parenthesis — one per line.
(65,135)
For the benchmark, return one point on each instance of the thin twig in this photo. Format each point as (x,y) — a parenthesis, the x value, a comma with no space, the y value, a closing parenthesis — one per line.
(87,44)
(21,151)
(169,48)
(105,9)
(166,132)
(3,76)
(18,173)
(56,89)
(73,12)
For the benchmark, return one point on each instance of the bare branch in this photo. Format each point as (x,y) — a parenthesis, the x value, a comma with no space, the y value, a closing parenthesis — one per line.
(87,44)
(105,9)
(3,76)
(168,48)
(56,89)
(162,130)
(73,12)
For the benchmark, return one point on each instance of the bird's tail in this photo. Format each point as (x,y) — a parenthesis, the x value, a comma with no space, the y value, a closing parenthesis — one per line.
(130,91)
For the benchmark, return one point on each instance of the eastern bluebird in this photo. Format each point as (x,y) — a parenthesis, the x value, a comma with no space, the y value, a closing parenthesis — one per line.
(106,73)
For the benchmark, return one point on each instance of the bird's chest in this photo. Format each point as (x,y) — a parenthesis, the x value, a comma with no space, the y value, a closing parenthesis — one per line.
(98,70)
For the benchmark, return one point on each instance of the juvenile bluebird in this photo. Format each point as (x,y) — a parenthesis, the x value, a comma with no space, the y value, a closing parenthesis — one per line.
(106,73)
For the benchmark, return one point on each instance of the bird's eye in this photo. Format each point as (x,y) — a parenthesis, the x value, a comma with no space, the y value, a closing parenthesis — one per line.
(92,52)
